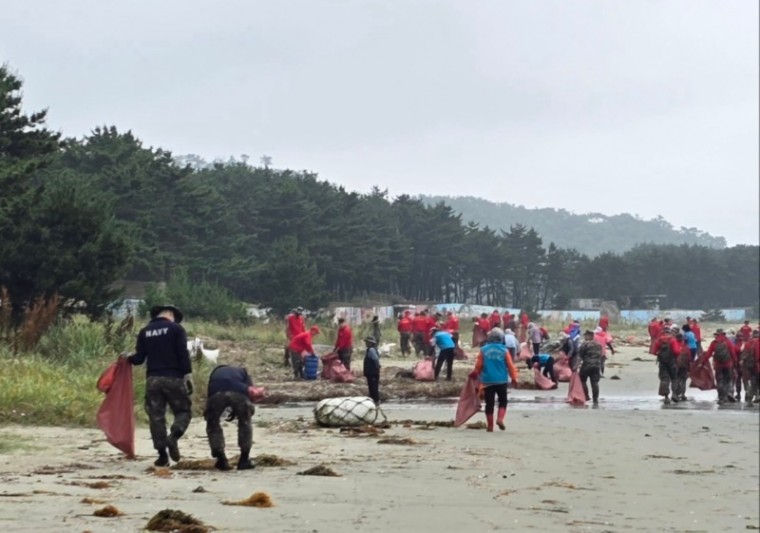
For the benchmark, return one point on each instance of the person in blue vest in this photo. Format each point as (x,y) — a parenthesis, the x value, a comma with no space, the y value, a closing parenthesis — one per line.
(495,369)
(444,341)
(228,388)
(545,362)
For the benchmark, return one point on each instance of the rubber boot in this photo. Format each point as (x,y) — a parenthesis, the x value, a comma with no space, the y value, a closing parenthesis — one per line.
(221,461)
(489,423)
(245,463)
(173,445)
(500,418)
(163,459)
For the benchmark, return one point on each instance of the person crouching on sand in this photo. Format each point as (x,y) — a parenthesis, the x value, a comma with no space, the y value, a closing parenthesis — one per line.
(495,368)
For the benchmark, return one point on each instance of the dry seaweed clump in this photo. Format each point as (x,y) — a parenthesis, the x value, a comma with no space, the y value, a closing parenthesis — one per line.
(159,471)
(257,499)
(171,520)
(266,459)
(199,464)
(109,511)
(91,501)
(319,470)
(404,441)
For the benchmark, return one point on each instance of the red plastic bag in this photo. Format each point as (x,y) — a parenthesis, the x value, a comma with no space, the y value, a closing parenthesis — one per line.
(424,371)
(525,353)
(256,393)
(105,381)
(702,376)
(459,354)
(333,369)
(575,394)
(469,402)
(116,416)
(562,369)
(542,382)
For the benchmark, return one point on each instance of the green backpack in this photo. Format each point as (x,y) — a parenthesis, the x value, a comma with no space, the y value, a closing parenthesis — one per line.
(721,353)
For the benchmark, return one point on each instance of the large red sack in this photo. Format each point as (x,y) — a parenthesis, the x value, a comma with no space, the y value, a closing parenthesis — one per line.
(562,370)
(105,381)
(469,402)
(116,416)
(424,371)
(575,394)
(525,353)
(542,382)
(333,369)
(459,354)
(702,376)
(477,336)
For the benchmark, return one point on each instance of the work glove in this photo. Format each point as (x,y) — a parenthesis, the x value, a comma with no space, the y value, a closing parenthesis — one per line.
(188,380)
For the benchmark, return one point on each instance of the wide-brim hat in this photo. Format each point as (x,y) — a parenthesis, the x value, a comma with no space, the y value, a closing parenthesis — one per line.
(158,309)
(370,340)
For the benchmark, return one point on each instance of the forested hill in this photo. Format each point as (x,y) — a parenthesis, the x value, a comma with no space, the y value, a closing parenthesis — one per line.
(590,233)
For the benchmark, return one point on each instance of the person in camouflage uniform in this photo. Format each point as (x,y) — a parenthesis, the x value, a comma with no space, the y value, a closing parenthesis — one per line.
(163,344)
(683,361)
(590,359)
(666,348)
(724,359)
(749,366)
(228,388)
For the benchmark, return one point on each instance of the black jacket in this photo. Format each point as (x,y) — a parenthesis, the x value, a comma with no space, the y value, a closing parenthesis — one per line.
(164,344)
(229,379)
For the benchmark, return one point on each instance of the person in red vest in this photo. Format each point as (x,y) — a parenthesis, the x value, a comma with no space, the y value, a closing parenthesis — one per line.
(419,332)
(484,324)
(697,331)
(404,328)
(344,343)
(524,321)
(294,324)
(654,332)
(433,322)
(604,322)
(506,318)
(452,326)
(724,356)
(745,331)
(667,349)
(301,344)
(748,363)
(494,321)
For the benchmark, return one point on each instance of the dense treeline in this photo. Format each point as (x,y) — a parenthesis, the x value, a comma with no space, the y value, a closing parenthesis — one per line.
(590,233)
(78,214)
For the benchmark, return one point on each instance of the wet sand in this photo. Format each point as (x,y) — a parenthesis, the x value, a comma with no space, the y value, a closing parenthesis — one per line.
(631,465)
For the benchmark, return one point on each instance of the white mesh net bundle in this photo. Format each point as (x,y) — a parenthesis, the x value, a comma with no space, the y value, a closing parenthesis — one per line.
(347,411)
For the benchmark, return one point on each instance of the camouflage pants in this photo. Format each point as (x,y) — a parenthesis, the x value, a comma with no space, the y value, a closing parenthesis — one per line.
(679,391)
(243,410)
(592,373)
(406,348)
(750,385)
(723,380)
(667,375)
(160,392)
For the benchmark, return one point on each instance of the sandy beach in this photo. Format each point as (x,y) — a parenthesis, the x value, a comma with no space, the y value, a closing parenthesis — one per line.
(630,465)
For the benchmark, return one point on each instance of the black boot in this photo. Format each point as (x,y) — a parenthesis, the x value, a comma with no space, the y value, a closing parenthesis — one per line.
(221,461)
(173,445)
(245,463)
(163,459)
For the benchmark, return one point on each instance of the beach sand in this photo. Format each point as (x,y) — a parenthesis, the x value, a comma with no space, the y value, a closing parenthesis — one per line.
(631,465)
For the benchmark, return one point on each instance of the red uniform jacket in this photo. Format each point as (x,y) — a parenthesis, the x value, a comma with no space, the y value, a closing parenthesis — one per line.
(654,329)
(731,350)
(431,323)
(345,338)
(301,343)
(746,332)
(697,331)
(505,319)
(604,322)
(404,325)
(494,320)
(671,341)
(524,320)
(452,324)
(419,323)
(296,325)
(484,325)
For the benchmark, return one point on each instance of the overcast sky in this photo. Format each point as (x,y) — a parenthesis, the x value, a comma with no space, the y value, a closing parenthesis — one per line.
(640,106)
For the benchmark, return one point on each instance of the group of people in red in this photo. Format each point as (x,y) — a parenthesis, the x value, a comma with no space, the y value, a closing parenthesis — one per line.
(735,360)
(416,330)
(506,321)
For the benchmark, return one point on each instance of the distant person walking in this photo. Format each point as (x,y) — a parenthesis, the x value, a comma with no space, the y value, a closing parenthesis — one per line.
(372,369)
(404,328)
(344,343)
